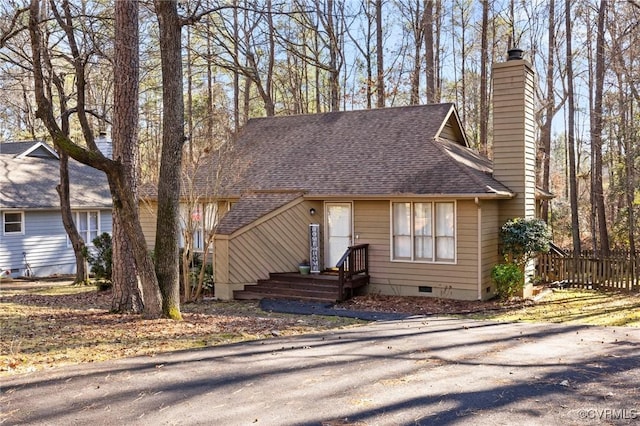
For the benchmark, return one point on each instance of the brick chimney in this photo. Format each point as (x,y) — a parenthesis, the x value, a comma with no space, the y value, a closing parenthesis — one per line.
(514,146)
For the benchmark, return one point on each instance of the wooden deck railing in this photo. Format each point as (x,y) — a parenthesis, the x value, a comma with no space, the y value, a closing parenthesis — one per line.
(354,262)
(615,272)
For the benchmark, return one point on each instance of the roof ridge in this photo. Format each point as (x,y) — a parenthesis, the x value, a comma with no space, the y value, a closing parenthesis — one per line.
(354,111)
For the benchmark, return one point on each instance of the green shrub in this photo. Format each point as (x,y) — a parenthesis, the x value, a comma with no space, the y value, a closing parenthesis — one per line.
(100,257)
(509,279)
(523,238)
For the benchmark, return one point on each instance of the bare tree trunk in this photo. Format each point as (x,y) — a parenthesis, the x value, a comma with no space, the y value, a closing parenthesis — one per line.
(189,107)
(437,19)
(82,273)
(511,42)
(380,101)
(123,198)
(271,108)
(316,70)
(236,73)
(629,174)
(364,49)
(334,72)
(210,96)
(596,134)
(546,128)
(463,68)
(484,47)
(573,180)
(246,104)
(418,33)
(429,48)
(166,248)
(127,296)
(78,244)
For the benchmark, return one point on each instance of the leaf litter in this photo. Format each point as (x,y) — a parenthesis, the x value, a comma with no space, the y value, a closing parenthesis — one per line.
(42,331)
(69,325)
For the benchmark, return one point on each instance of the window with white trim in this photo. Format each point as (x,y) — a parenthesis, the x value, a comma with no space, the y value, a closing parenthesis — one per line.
(423,231)
(200,223)
(88,225)
(13,223)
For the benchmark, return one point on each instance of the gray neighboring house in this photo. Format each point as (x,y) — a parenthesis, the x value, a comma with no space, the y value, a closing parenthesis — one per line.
(32,229)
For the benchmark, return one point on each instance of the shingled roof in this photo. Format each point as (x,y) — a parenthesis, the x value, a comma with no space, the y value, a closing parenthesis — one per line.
(378,152)
(403,151)
(252,207)
(29,182)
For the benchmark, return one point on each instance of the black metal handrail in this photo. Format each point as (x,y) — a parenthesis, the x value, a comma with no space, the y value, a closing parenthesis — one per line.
(354,261)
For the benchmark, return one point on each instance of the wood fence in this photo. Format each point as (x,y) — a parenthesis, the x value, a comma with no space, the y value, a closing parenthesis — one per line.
(620,271)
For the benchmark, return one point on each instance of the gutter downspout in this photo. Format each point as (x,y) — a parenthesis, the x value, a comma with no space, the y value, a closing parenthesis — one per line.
(479,248)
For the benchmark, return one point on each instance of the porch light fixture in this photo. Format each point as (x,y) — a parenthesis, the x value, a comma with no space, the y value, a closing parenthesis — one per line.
(312,211)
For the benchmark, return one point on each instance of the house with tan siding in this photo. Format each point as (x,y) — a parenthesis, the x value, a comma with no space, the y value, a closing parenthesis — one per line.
(401,182)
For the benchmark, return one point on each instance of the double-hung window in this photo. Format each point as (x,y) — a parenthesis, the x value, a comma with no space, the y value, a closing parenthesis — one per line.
(423,231)
(13,223)
(88,224)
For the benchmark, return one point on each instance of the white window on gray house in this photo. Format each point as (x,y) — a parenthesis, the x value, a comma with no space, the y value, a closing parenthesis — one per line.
(423,232)
(88,224)
(13,223)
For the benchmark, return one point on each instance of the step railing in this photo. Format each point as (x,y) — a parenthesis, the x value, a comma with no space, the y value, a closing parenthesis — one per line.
(354,261)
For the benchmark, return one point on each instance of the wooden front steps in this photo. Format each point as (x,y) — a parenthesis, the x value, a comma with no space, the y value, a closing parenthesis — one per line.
(323,287)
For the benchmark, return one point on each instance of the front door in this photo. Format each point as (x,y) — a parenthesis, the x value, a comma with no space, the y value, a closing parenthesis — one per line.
(338,231)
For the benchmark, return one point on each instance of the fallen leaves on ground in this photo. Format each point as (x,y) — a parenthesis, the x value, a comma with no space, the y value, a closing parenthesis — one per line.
(574,306)
(43,330)
(429,305)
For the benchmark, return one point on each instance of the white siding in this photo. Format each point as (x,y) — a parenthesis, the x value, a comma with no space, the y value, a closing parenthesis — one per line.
(45,244)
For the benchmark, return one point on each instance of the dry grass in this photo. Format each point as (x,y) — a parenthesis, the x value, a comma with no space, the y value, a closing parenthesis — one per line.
(47,327)
(64,325)
(578,307)
(560,306)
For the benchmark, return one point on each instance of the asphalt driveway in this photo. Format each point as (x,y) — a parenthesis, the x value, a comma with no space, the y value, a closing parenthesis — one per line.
(414,371)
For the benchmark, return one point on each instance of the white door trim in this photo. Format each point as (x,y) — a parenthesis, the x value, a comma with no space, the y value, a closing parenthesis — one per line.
(344,241)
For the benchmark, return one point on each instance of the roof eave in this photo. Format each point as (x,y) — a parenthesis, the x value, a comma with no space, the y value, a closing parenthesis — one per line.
(57,208)
(497,195)
(36,146)
(453,111)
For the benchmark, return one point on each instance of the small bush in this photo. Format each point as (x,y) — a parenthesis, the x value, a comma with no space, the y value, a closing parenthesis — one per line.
(100,257)
(523,238)
(509,279)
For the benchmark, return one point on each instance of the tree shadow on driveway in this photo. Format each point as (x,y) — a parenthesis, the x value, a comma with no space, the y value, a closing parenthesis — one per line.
(421,370)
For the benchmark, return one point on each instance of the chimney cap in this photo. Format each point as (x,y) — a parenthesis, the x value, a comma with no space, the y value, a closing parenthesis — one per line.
(515,53)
